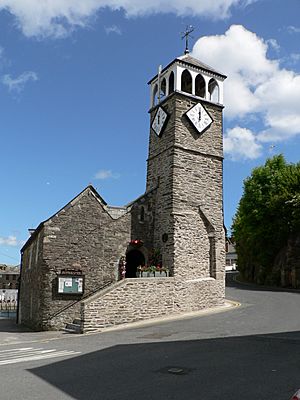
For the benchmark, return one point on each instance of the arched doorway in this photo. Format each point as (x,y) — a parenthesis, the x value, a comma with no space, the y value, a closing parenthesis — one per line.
(134,258)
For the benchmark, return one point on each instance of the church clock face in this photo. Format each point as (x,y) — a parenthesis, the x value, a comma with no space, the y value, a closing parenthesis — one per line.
(199,117)
(159,121)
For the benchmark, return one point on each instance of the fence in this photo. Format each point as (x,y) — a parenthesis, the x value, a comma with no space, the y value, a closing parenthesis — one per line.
(8,306)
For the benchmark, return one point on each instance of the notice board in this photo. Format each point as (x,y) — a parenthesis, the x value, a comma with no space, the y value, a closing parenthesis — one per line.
(68,284)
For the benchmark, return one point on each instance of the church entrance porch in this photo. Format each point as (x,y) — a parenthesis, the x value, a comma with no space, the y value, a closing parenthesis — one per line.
(134,259)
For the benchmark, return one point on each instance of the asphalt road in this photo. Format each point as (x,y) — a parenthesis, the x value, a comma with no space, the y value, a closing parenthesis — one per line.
(249,352)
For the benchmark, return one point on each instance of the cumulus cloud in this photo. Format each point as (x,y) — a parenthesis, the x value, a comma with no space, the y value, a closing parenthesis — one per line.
(257,88)
(57,18)
(9,241)
(18,84)
(241,143)
(113,29)
(106,174)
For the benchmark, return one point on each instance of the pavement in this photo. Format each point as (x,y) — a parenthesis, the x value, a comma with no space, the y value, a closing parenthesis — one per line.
(248,352)
(11,333)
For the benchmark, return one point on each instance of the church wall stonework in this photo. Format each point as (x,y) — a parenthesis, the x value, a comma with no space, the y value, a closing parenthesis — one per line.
(188,168)
(82,236)
(31,288)
(141,299)
(143,228)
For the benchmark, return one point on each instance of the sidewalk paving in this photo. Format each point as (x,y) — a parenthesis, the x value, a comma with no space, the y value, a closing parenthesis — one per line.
(12,334)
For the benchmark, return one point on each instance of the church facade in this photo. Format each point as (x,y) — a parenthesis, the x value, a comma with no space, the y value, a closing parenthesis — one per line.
(162,254)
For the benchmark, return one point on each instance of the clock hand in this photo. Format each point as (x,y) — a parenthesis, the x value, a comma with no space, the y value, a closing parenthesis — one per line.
(158,118)
(199,115)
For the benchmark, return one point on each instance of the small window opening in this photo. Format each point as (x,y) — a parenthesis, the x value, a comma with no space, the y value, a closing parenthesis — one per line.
(213,90)
(163,89)
(171,82)
(200,86)
(186,82)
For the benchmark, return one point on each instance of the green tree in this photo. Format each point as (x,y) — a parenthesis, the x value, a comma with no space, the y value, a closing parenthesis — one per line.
(268,213)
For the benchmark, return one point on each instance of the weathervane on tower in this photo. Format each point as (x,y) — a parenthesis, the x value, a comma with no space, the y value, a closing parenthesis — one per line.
(185,35)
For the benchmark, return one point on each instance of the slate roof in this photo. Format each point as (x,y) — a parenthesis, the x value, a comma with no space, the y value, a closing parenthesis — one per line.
(188,59)
(194,62)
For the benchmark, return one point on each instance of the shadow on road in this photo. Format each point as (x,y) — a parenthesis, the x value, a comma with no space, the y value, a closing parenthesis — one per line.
(9,325)
(251,367)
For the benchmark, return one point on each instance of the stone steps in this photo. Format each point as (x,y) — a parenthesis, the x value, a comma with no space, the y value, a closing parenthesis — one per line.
(74,327)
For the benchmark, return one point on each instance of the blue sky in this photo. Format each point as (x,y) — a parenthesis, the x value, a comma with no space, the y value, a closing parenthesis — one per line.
(74,98)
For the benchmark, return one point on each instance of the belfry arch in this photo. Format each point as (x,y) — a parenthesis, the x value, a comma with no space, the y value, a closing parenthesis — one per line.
(200,86)
(186,82)
(163,88)
(171,82)
(213,90)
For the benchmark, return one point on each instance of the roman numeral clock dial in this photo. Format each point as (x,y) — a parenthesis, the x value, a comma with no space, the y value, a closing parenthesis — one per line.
(199,117)
(159,121)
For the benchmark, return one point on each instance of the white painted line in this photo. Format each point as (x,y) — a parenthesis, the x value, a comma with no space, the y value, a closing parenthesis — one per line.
(20,349)
(31,354)
(25,354)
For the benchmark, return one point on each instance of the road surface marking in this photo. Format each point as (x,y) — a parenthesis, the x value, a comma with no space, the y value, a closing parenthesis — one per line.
(23,354)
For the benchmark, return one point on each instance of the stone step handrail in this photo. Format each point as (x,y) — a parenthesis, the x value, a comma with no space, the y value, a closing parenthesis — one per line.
(84,297)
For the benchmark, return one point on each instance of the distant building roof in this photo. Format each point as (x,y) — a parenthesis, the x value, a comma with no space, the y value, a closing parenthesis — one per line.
(9,269)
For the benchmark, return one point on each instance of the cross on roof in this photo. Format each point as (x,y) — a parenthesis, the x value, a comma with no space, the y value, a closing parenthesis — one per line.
(188,30)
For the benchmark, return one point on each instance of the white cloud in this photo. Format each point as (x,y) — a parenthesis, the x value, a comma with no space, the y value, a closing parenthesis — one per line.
(242,56)
(9,241)
(241,143)
(274,44)
(295,57)
(113,29)
(106,174)
(57,18)
(18,84)
(257,88)
(293,29)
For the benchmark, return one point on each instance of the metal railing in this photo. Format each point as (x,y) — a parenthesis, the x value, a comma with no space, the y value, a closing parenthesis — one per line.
(8,305)
(85,296)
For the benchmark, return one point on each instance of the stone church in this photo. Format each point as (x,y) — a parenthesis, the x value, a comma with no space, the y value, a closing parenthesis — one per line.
(92,265)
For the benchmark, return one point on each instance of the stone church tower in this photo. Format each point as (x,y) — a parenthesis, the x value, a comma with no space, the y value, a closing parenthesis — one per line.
(185,165)
(162,254)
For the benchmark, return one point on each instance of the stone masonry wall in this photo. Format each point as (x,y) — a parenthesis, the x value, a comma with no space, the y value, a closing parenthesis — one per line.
(31,286)
(133,300)
(188,167)
(198,194)
(160,175)
(81,236)
(143,228)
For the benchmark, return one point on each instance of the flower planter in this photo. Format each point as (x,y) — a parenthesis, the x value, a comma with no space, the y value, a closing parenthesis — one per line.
(156,274)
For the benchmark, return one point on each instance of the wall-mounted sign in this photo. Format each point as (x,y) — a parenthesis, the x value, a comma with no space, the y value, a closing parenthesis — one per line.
(68,284)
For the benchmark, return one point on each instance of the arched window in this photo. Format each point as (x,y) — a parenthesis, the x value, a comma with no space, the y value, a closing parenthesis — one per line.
(163,88)
(186,82)
(213,90)
(200,86)
(155,95)
(171,82)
